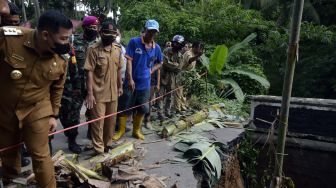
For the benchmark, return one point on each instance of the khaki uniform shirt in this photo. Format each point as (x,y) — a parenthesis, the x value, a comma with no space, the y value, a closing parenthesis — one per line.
(186,66)
(31,85)
(171,67)
(104,64)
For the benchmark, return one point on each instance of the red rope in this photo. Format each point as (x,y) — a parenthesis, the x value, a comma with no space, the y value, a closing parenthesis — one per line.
(97,119)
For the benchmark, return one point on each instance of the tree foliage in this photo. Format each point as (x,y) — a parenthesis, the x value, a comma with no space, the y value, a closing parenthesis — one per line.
(228,22)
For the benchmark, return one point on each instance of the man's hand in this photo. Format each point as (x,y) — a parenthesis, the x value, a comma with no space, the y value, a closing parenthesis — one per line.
(131,85)
(90,101)
(120,91)
(52,124)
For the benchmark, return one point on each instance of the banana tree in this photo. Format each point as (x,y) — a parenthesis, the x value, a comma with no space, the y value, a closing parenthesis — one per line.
(220,73)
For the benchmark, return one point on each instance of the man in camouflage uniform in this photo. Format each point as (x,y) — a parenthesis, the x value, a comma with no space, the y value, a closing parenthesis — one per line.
(74,89)
(171,68)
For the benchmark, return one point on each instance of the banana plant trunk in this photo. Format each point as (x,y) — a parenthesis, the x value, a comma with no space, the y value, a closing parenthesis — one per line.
(292,57)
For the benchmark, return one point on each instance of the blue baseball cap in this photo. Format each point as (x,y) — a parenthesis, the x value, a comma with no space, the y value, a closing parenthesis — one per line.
(152,24)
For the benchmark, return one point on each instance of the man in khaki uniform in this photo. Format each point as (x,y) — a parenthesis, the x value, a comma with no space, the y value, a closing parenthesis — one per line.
(32,75)
(171,68)
(191,56)
(189,63)
(104,84)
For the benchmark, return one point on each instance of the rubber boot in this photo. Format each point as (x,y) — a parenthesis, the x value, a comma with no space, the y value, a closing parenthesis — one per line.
(122,128)
(137,122)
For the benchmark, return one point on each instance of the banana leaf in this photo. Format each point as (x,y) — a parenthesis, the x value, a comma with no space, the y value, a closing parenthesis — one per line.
(261,80)
(218,59)
(73,168)
(206,159)
(236,88)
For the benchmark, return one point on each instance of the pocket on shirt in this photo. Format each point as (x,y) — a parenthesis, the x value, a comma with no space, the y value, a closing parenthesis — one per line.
(15,63)
(101,67)
(54,71)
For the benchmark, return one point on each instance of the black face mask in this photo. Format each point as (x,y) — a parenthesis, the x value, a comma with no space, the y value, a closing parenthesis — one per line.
(90,33)
(177,47)
(107,40)
(61,48)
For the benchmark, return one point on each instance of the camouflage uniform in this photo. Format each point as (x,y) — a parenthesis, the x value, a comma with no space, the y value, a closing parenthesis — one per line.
(170,71)
(74,88)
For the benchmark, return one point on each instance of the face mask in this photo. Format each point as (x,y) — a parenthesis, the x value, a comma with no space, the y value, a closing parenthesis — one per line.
(90,33)
(118,39)
(176,46)
(107,40)
(61,48)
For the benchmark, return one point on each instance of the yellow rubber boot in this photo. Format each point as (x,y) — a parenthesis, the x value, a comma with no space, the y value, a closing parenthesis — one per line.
(122,128)
(137,122)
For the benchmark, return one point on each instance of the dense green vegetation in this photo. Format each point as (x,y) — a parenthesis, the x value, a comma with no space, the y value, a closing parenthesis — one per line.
(246,43)
(228,22)
(219,22)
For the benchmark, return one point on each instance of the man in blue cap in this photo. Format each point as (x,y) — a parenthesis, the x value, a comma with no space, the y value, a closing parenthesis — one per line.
(144,57)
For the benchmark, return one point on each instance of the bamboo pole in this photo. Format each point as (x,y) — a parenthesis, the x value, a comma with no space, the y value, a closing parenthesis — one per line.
(37,9)
(181,125)
(23,11)
(292,55)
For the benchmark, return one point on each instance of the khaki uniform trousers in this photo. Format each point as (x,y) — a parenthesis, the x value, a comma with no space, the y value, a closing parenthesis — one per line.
(102,131)
(35,137)
(180,99)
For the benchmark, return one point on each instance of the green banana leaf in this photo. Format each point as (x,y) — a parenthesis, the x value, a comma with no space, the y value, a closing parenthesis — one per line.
(238,92)
(218,59)
(205,157)
(261,80)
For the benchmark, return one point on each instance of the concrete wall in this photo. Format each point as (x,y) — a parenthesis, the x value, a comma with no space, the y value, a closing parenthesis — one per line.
(308,117)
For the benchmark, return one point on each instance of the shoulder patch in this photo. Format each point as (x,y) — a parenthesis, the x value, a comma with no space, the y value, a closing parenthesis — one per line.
(12,31)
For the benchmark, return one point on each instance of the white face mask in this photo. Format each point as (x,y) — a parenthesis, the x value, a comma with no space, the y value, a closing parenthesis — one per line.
(118,38)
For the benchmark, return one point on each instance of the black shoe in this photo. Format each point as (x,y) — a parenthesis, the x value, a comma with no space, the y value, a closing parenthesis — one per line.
(107,149)
(25,162)
(74,147)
